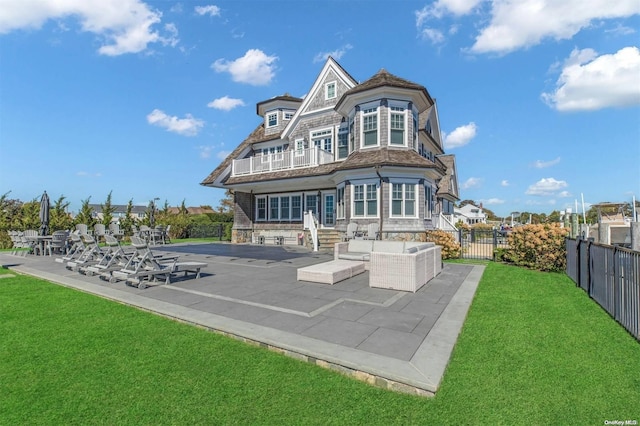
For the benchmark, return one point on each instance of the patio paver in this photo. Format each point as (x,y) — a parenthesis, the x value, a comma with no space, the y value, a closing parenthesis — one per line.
(378,335)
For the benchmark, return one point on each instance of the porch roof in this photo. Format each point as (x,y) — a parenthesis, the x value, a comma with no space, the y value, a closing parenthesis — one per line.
(357,160)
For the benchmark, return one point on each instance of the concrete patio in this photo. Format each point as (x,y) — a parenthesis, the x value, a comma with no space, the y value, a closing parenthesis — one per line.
(392,339)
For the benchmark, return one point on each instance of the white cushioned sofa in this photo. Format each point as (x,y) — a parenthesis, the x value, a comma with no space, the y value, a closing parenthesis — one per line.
(397,265)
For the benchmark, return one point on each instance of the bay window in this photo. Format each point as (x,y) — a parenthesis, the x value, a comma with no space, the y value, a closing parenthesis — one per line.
(403,200)
(365,200)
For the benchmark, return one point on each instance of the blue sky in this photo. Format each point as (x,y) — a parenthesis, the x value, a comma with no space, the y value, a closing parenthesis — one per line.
(538,100)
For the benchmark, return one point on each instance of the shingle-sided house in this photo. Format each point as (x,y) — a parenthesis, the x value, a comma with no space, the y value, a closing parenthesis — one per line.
(348,152)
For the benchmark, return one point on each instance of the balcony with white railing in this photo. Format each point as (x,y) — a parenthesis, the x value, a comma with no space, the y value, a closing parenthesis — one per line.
(293,159)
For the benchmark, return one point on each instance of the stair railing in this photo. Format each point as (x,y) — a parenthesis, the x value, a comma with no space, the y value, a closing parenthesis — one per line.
(311,223)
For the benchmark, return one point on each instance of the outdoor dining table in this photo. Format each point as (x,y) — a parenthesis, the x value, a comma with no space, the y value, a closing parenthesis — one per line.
(42,241)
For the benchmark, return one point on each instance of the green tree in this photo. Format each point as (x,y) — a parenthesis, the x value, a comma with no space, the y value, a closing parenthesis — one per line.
(30,218)
(127,222)
(227,203)
(10,213)
(85,215)
(60,218)
(107,210)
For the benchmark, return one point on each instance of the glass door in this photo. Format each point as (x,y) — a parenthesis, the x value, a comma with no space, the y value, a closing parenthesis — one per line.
(329,210)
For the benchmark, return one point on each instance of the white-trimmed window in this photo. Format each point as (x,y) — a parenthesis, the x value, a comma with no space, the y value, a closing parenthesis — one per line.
(285,208)
(343,143)
(274,208)
(261,208)
(397,119)
(403,200)
(428,201)
(311,203)
(299,147)
(272,119)
(370,127)
(287,115)
(281,207)
(330,90)
(365,200)
(296,207)
(323,139)
(340,206)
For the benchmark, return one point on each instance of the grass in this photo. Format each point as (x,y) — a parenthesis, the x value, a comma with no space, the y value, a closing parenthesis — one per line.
(534,350)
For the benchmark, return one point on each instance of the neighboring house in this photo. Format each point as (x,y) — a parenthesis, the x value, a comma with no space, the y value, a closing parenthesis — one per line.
(347,152)
(191,210)
(470,214)
(137,212)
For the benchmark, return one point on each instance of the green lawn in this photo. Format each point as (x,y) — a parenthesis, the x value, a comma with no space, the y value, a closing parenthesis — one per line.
(534,350)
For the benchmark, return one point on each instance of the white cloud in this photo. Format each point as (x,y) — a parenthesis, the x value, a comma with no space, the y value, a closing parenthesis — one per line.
(336,54)
(492,201)
(590,82)
(460,136)
(504,183)
(221,155)
(620,29)
(225,103)
(124,26)
(525,23)
(210,10)
(472,182)
(188,126)
(437,10)
(205,151)
(87,174)
(433,35)
(441,7)
(253,68)
(539,164)
(546,186)
(564,194)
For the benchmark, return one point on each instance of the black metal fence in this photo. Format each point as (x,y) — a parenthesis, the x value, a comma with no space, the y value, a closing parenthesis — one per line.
(611,276)
(479,243)
(210,230)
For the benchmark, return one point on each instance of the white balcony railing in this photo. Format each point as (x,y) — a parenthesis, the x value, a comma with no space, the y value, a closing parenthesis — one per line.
(281,161)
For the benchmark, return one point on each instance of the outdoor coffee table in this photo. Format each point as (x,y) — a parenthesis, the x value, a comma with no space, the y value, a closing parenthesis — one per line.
(331,272)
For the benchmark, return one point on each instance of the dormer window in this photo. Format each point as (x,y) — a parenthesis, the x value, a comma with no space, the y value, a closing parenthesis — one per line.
(288,115)
(330,90)
(272,119)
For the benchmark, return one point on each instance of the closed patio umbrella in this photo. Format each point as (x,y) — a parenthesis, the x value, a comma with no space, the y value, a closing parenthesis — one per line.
(44,214)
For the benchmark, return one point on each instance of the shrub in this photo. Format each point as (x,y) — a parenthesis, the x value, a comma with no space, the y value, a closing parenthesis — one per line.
(450,247)
(540,247)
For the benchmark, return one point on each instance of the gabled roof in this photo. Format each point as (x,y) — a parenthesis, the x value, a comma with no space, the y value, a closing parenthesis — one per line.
(330,66)
(431,113)
(448,185)
(256,136)
(285,100)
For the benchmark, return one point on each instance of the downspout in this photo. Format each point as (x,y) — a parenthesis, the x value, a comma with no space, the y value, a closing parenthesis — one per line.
(377,169)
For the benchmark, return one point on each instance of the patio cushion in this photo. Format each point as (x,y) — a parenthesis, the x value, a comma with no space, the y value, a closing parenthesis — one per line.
(388,246)
(351,255)
(360,246)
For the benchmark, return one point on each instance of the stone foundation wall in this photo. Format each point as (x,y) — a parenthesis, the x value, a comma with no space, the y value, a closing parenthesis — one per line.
(405,236)
(239,236)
